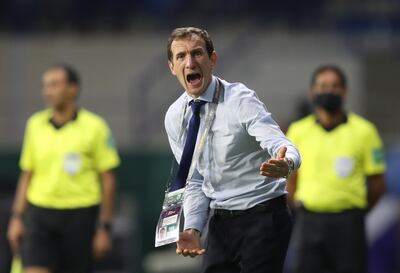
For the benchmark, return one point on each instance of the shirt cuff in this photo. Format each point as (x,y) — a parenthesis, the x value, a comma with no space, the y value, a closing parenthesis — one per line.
(196,222)
(295,158)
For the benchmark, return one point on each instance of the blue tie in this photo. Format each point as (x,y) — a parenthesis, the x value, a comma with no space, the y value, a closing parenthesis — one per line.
(188,150)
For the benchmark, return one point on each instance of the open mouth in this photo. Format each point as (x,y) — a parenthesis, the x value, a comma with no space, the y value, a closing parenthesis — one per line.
(194,78)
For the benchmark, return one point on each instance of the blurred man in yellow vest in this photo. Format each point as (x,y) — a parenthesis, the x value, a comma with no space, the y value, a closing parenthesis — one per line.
(340,179)
(63,205)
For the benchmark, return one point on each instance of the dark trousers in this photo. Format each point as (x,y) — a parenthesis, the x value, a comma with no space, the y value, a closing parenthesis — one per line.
(330,242)
(252,242)
(5,251)
(60,240)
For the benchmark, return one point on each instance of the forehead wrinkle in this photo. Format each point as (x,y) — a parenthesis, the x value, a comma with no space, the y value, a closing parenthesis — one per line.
(194,41)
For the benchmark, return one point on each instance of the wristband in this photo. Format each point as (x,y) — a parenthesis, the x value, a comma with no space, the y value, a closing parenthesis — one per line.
(107,226)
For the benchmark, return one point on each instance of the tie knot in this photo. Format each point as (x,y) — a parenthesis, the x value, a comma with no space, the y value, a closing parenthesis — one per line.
(196,105)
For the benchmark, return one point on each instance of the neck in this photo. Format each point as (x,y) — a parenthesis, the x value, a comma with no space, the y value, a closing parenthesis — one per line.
(64,114)
(327,119)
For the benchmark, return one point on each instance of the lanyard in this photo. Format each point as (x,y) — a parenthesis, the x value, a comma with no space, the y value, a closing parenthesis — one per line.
(167,230)
(209,120)
(207,127)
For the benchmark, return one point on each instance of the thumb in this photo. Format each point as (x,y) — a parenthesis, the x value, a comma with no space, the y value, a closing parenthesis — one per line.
(282,152)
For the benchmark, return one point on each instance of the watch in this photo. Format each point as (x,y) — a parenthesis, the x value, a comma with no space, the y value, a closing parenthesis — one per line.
(291,166)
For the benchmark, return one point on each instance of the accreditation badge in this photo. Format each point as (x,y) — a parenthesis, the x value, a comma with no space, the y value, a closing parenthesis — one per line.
(167,230)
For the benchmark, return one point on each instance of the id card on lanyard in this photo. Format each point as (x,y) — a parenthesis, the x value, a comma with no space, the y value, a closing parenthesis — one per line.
(167,230)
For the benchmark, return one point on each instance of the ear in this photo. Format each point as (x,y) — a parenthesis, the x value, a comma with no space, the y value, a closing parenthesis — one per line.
(74,90)
(214,59)
(345,93)
(171,67)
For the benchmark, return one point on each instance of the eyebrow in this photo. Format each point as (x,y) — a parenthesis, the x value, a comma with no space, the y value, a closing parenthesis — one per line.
(199,48)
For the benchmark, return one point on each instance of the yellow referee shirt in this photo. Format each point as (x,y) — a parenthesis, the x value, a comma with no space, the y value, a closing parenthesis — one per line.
(332,177)
(66,162)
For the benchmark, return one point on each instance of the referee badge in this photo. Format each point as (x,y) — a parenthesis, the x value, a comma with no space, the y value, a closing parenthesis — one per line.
(344,166)
(72,163)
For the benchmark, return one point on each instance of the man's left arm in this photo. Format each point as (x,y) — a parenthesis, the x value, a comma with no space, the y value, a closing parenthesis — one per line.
(106,159)
(108,192)
(376,189)
(102,243)
(254,116)
(374,166)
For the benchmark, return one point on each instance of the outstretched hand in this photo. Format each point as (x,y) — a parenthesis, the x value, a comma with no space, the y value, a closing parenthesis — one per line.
(189,244)
(277,167)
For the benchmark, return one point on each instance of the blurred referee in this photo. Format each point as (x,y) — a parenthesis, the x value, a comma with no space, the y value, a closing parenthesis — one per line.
(63,205)
(341,152)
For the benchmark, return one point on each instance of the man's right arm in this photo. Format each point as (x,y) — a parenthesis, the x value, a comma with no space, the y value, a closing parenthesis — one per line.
(376,189)
(16,226)
(196,209)
(196,204)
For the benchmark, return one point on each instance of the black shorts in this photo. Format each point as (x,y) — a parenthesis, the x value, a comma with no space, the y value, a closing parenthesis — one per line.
(60,240)
(330,242)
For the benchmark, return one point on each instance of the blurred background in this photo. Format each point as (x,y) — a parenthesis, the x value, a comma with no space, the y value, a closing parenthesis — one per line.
(119,48)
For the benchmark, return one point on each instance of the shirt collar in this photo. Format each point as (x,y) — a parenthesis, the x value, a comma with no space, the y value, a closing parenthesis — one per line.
(341,121)
(208,95)
(58,126)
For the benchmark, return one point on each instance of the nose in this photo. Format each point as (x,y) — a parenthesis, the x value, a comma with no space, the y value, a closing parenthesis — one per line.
(190,62)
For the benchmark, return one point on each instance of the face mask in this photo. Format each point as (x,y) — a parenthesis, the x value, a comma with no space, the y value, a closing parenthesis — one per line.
(328,101)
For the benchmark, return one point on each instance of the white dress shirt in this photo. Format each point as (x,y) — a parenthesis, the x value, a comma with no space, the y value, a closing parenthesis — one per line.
(242,136)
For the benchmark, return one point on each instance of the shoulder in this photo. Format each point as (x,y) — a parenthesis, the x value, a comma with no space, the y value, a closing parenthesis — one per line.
(361,123)
(38,118)
(91,119)
(235,91)
(300,128)
(241,100)
(175,108)
(303,124)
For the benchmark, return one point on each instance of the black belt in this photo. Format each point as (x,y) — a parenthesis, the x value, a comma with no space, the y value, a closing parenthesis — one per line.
(269,205)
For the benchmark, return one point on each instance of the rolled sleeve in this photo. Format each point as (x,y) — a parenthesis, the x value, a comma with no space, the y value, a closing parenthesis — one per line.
(293,154)
(258,121)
